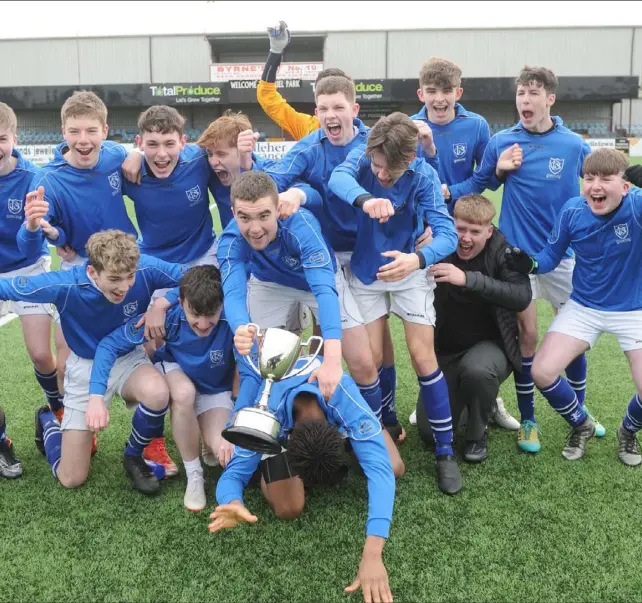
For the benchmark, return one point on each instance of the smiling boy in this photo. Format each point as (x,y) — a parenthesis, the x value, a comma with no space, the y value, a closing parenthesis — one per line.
(82,184)
(459,136)
(93,300)
(603,227)
(197,361)
(171,201)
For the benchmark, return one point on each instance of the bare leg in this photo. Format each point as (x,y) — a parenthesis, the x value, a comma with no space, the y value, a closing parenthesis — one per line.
(75,458)
(183,416)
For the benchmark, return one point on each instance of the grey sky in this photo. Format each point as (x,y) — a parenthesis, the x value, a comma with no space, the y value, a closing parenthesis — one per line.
(63,19)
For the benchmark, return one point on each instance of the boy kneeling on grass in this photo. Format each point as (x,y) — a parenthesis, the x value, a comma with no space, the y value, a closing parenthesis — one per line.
(197,361)
(93,299)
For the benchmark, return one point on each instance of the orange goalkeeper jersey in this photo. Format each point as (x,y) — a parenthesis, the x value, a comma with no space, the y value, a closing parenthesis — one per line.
(298,125)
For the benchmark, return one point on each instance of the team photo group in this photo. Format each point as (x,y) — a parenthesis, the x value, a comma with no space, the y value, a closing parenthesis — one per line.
(352,226)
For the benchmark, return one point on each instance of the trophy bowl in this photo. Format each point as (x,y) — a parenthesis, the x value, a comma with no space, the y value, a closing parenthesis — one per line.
(256,428)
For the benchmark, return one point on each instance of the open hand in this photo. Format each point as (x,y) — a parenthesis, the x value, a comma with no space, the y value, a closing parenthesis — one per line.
(372,579)
(229,516)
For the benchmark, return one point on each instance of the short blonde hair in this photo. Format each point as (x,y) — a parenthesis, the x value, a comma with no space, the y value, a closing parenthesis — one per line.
(8,118)
(83,103)
(475,209)
(605,162)
(225,129)
(113,250)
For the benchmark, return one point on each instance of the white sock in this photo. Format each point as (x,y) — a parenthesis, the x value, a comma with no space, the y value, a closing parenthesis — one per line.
(193,467)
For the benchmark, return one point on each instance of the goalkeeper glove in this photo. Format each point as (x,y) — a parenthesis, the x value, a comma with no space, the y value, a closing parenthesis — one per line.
(519,261)
(279,37)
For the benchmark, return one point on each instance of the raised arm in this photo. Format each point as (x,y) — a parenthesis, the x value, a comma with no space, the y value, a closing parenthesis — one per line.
(275,106)
(345,178)
(293,167)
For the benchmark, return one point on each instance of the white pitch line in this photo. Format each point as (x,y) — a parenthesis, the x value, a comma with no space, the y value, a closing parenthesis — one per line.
(7,319)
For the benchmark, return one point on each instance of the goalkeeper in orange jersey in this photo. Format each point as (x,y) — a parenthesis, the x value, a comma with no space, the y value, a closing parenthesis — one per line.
(299,125)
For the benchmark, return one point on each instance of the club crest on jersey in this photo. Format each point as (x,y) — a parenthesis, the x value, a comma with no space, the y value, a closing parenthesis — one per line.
(555,166)
(15,205)
(290,261)
(459,151)
(114,181)
(317,259)
(133,331)
(130,309)
(365,427)
(194,194)
(622,232)
(216,356)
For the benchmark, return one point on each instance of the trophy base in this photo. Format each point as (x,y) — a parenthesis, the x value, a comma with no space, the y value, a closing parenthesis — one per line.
(251,439)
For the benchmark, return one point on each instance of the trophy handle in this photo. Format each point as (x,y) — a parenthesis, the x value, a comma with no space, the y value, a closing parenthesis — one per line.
(311,360)
(249,356)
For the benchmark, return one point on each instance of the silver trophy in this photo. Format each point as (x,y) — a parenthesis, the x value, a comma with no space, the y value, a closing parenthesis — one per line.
(256,428)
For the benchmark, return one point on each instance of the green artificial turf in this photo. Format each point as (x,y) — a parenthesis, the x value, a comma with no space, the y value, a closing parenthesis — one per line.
(525,527)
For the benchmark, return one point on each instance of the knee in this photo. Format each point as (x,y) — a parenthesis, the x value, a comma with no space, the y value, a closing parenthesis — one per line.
(543,372)
(362,365)
(289,510)
(75,480)
(477,375)
(423,358)
(183,396)
(42,359)
(155,393)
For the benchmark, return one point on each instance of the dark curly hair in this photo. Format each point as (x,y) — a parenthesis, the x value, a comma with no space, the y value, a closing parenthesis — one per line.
(316,452)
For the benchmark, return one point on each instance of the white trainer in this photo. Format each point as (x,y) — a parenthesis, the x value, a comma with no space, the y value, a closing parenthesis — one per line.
(194,499)
(503,418)
(412,419)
